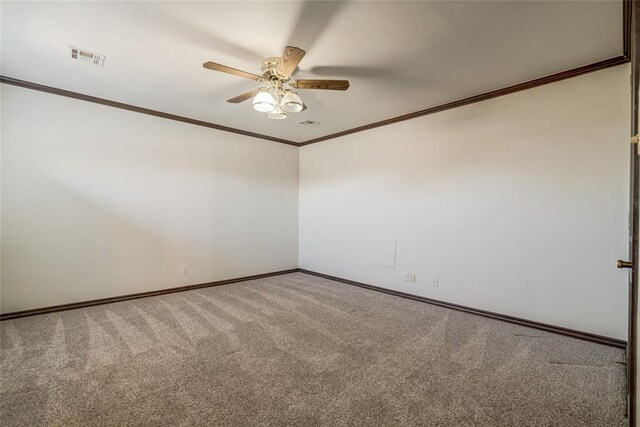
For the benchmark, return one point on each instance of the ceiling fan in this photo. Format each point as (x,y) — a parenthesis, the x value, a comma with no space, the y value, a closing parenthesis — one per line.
(277,96)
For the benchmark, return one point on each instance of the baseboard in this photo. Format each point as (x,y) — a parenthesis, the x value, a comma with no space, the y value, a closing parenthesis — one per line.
(71,306)
(613,342)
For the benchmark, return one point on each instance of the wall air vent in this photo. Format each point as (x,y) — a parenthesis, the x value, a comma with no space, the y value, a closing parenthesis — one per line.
(308,123)
(86,56)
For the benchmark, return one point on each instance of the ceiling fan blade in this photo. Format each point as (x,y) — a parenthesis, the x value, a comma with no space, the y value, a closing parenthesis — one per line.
(313,19)
(223,68)
(289,60)
(244,96)
(322,84)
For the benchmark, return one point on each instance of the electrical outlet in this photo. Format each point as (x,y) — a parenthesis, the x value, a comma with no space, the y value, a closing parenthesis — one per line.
(185,270)
(405,277)
(435,281)
(412,277)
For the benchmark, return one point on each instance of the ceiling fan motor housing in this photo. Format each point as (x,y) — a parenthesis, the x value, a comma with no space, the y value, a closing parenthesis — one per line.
(278,96)
(270,68)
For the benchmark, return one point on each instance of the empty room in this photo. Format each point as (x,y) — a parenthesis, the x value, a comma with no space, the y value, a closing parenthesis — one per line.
(319,213)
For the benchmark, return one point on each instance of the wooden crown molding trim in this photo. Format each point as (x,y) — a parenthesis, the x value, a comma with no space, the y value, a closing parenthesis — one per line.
(587,336)
(129,107)
(627,6)
(81,304)
(563,75)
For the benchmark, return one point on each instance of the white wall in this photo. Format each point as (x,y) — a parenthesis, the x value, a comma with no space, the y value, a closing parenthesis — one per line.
(98,202)
(518,204)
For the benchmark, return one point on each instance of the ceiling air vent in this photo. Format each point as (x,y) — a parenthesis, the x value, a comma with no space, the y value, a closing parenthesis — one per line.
(308,123)
(86,56)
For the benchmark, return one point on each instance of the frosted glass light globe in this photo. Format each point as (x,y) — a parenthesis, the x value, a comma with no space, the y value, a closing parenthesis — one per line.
(291,103)
(277,115)
(264,102)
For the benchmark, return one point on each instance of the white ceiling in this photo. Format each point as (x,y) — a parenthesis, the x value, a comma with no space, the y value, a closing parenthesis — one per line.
(399,56)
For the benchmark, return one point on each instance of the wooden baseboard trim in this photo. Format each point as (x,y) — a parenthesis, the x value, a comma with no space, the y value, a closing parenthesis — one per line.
(612,342)
(73,305)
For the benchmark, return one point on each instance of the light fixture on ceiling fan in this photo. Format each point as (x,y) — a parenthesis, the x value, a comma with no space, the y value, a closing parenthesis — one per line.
(278,96)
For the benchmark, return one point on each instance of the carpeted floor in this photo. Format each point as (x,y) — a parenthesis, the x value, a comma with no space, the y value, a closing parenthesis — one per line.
(299,350)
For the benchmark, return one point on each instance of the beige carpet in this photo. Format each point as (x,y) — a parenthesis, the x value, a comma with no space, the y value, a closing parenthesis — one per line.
(299,350)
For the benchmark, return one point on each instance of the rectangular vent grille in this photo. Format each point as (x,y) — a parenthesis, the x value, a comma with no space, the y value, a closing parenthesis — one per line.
(86,56)
(308,123)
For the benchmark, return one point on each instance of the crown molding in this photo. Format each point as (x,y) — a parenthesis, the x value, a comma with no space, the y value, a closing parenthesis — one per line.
(563,75)
(627,6)
(142,110)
